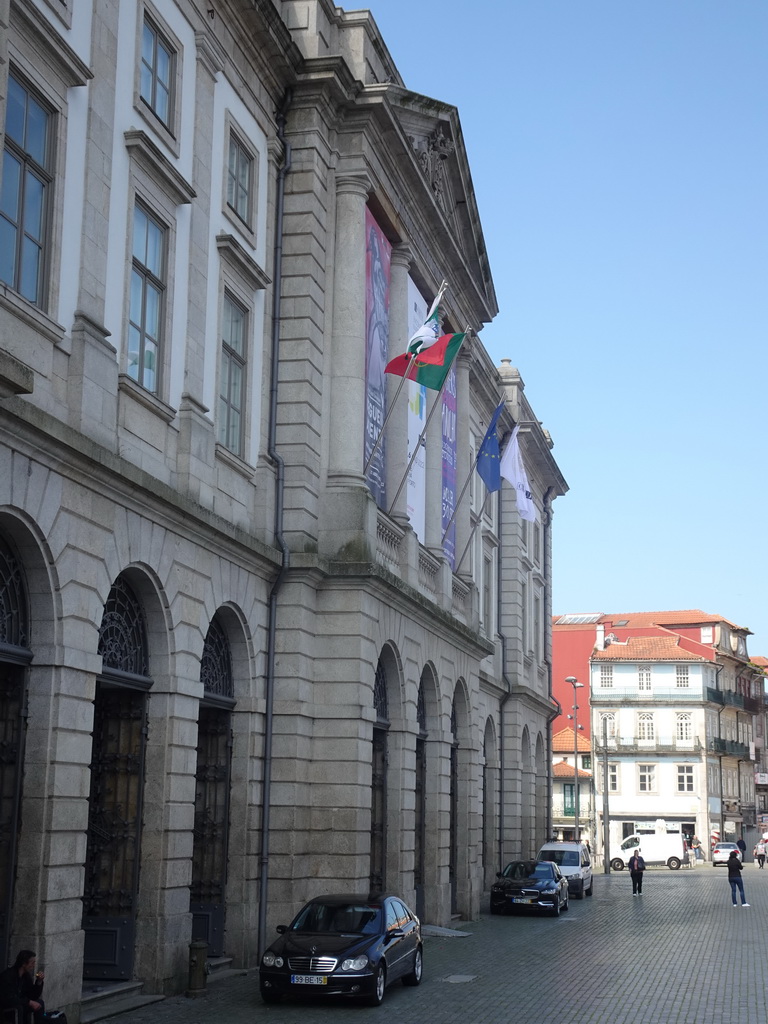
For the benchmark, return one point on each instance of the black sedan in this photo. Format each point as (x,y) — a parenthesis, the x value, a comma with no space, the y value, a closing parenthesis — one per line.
(526,883)
(344,945)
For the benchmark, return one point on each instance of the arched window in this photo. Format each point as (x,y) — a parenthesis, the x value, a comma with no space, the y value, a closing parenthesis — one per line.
(607,724)
(216,663)
(13,601)
(123,634)
(645,726)
(684,726)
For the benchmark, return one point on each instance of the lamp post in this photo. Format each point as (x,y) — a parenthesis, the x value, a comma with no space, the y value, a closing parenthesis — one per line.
(576,686)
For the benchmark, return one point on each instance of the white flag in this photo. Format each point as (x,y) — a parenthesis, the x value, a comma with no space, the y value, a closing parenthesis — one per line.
(513,470)
(428,333)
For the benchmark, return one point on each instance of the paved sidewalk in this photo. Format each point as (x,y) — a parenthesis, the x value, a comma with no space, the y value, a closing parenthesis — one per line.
(678,954)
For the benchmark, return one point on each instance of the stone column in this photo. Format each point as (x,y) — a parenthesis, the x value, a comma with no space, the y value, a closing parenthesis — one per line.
(397,426)
(462,519)
(347,412)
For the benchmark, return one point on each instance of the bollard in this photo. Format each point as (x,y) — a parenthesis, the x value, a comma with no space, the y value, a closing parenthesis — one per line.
(198,952)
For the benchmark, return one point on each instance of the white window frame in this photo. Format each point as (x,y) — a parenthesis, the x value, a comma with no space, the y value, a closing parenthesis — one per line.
(606,677)
(684,726)
(644,678)
(613,777)
(646,778)
(685,781)
(682,678)
(646,726)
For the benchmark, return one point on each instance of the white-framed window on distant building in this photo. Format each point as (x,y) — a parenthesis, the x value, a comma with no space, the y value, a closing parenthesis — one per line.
(613,777)
(681,675)
(607,723)
(643,678)
(646,729)
(685,778)
(707,635)
(606,676)
(684,727)
(646,778)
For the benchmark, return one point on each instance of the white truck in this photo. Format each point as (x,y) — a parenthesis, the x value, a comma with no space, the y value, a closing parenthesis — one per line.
(655,848)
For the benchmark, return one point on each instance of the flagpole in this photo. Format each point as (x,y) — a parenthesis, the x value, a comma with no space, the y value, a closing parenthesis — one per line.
(405,376)
(473,531)
(461,496)
(426,425)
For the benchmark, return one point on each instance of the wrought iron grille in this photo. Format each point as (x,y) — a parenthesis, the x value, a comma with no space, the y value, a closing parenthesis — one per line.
(13,600)
(380,700)
(216,664)
(11,738)
(209,853)
(421,710)
(123,633)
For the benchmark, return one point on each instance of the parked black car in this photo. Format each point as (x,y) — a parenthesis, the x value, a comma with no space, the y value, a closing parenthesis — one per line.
(526,883)
(344,945)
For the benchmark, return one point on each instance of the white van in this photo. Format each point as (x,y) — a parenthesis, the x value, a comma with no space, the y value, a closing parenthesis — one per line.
(655,848)
(575,864)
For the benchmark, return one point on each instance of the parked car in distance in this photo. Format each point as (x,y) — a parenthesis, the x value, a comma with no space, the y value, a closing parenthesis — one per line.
(344,946)
(722,851)
(574,862)
(526,883)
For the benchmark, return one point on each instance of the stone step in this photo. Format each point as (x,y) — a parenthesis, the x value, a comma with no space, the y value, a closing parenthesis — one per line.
(101,1001)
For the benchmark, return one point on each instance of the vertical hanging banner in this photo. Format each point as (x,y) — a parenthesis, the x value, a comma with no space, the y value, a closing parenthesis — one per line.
(378,253)
(450,461)
(416,504)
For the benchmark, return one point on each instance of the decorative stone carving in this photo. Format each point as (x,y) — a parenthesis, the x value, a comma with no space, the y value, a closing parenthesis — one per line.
(432,153)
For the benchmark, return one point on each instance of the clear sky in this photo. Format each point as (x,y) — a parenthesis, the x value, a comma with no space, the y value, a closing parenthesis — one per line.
(619,154)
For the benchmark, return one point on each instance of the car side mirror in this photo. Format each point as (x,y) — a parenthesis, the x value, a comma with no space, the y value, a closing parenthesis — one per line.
(396,933)
(281,929)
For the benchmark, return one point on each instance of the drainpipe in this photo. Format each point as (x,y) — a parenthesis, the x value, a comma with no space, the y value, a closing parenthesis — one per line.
(278,524)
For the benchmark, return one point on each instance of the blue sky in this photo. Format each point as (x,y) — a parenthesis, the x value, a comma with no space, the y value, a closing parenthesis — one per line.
(619,154)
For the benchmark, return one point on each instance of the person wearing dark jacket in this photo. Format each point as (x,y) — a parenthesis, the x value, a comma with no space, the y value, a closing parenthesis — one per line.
(21,989)
(636,869)
(734,877)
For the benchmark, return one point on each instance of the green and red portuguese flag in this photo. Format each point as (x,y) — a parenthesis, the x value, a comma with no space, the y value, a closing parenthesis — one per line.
(431,364)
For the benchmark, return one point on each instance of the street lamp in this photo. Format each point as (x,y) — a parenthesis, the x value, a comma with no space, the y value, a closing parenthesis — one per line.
(576,686)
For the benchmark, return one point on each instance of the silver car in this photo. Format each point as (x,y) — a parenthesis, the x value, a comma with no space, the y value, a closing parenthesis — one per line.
(721,852)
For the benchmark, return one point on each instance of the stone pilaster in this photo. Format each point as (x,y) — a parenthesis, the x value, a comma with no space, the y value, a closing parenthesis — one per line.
(462,520)
(397,427)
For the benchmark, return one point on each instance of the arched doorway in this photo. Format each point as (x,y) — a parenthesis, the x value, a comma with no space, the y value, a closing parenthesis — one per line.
(15,655)
(207,895)
(490,815)
(380,760)
(117,788)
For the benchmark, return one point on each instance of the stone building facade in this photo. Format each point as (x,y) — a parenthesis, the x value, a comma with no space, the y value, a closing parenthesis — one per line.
(240,664)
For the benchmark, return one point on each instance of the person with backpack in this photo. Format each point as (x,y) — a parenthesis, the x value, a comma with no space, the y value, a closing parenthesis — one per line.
(734,878)
(760,853)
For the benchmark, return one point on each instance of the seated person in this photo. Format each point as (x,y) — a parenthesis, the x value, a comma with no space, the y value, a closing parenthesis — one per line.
(21,988)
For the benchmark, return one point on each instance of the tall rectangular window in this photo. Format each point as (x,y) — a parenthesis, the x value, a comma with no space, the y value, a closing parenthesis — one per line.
(232,375)
(27,178)
(157,67)
(613,778)
(645,727)
(685,778)
(606,676)
(681,673)
(646,777)
(239,179)
(684,726)
(644,678)
(147,294)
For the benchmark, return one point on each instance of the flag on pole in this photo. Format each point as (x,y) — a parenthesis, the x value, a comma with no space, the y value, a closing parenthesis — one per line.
(513,470)
(488,456)
(431,366)
(428,333)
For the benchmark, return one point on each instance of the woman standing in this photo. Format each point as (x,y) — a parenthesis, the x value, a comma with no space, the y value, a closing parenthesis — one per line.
(636,869)
(734,877)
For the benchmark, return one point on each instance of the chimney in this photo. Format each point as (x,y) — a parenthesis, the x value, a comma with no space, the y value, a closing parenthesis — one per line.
(600,636)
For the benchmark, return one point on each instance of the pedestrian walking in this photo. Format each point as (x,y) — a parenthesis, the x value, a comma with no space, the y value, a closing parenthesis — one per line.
(742,846)
(760,853)
(636,869)
(734,877)
(696,847)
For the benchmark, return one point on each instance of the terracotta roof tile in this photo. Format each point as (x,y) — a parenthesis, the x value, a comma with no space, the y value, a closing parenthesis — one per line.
(563,770)
(562,741)
(647,648)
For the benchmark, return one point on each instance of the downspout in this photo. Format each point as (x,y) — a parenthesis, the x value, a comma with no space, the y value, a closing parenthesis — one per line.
(278,524)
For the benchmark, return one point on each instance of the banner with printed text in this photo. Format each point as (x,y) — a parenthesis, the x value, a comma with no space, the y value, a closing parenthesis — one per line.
(416,504)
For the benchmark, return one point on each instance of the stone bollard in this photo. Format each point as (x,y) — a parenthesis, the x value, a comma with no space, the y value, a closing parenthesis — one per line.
(198,969)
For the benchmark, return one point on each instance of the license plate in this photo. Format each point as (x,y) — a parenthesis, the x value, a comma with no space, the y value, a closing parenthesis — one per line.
(521,899)
(308,979)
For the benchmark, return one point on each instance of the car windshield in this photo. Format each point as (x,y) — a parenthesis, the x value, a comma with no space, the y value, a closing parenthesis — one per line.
(563,858)
(358,918)
(520,869)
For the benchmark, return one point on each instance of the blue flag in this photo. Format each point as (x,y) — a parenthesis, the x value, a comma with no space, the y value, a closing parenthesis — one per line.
(488,457)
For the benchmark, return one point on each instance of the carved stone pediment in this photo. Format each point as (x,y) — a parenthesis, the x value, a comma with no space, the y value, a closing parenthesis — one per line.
(433,152)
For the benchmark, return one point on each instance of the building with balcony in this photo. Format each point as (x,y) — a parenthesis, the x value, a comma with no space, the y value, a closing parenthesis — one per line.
(243,659)
(569,786)
(682,704)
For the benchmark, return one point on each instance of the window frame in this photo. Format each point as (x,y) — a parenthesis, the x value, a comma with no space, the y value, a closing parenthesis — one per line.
(45,174)
(646,726)
(682,677)
(244,222)
(168,133)
(613,776)
(684,719)
(160,283)
(226,352)
(606,677)
(647,771)
(644,676)
(685,780)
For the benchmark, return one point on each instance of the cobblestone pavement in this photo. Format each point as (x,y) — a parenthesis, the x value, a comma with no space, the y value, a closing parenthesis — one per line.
(678,954)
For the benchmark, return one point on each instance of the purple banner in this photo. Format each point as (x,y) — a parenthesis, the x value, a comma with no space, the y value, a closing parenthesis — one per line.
(450,459)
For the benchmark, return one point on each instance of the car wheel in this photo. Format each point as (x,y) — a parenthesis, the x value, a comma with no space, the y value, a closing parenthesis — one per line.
(556,907)
(376,998)
(494,908)
(589,890)
(673,863)
(268,996)
(414,978)
(565,904)
(579,894)
(617,864)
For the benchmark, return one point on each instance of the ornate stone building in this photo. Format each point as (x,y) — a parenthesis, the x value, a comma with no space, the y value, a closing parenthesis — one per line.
(247,656)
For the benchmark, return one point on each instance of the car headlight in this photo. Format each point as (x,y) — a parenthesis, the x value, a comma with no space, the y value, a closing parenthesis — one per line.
(270,960)
(356,963)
